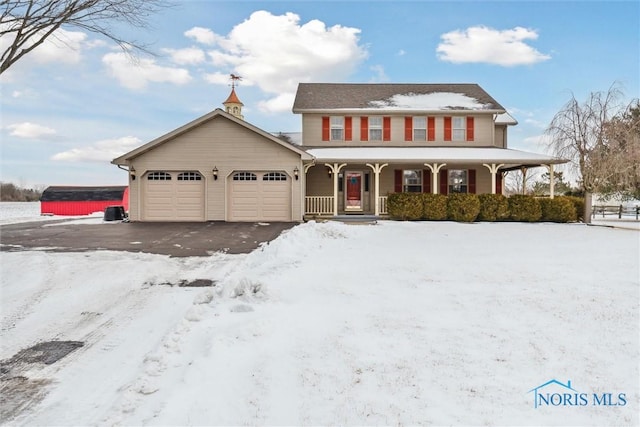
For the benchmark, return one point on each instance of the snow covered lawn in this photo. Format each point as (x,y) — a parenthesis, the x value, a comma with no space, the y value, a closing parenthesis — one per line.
(396,323)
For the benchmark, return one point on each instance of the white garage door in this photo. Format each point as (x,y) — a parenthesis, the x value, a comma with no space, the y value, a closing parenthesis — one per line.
(174,196)
(259,196)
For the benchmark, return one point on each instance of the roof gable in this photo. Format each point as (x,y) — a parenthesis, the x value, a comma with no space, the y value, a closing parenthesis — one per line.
(393,96)
(125,158)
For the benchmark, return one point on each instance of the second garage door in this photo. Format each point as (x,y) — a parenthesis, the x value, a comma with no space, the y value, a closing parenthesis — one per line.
(259,196)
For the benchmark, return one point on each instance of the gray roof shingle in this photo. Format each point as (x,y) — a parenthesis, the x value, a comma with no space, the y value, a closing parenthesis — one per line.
(352,96)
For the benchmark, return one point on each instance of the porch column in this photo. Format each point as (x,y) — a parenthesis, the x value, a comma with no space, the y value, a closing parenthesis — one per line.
(493,168)
(377,168)
(335,169)
(552,180)
(435,170)
(523,169)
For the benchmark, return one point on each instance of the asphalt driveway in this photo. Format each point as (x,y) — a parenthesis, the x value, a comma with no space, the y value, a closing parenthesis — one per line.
(175,239)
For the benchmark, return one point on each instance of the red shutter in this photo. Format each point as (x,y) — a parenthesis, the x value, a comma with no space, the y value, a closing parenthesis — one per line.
(499,182)
(325,128)
(426,181)
(364,128)
(469,128)
(471,176)
(431,129)
(408,128)
(447,128)
(386,128)
(444,181)
(397,183)
(347,129)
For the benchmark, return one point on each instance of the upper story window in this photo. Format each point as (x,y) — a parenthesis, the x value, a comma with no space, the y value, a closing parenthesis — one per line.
(458,128)
(189,176)
(159,176)
(337,128)
(375,128)
(419,128)
(244,176)
(412,181)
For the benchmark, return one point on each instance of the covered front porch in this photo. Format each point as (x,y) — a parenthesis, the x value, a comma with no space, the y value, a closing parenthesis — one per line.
(357,181)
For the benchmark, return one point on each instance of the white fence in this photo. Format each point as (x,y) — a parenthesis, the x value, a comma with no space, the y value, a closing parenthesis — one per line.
(318,205)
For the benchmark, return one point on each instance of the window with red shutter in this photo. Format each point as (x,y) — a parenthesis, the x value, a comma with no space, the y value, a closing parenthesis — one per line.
(447,128)
(470,129)
(431,129)
(426,181)
(364,128)
(444,181)
(397,180)
(347,129)
(408,128)
(499,183)
(386,129)
(472,181)
(325,128)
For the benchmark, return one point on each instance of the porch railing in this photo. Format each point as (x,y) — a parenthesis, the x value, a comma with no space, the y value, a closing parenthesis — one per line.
(318,205)
(382,203)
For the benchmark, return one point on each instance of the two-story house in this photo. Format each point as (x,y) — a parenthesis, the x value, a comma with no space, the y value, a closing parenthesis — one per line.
(369,140)
(360,142)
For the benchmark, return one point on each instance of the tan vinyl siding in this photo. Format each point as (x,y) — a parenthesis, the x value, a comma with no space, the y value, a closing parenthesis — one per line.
(227,146)
(501,137)
(483,132)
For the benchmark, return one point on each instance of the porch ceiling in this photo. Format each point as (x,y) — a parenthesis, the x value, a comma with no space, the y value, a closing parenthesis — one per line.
(431,155)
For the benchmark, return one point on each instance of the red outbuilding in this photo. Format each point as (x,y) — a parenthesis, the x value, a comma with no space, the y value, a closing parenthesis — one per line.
(82,200)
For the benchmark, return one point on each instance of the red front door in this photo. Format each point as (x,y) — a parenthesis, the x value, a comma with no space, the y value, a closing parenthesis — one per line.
(354,191)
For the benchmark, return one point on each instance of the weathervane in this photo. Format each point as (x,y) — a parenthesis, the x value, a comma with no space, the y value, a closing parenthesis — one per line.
(234,79)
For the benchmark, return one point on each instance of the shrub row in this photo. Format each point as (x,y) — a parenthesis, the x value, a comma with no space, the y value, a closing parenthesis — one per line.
(483,207)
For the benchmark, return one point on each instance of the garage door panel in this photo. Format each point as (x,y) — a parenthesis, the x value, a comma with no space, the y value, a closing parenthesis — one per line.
(167,198)
(260,199)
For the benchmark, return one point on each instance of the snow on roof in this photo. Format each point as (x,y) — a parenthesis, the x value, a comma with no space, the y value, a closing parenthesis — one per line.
(430,101)
(432,154)
(506,119)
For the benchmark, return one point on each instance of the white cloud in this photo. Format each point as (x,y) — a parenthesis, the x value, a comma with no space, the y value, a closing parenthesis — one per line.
(61,46)
(402,52)
(488,45)
(137,74)
(201,35)
(30,130)
(101,151)
(380,75)
(277,52)
(186,56)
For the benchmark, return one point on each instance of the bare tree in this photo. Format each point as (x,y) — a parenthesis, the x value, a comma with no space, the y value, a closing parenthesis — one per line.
(520,181)
(581,134)
(28,23)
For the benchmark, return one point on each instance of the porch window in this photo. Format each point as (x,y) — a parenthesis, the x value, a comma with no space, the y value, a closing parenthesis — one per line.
(337,128)
(458,181)
(419,128)
(375,128)
(459,128)
(412,181)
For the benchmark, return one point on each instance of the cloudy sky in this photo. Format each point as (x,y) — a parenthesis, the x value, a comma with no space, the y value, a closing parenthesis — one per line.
(77,102)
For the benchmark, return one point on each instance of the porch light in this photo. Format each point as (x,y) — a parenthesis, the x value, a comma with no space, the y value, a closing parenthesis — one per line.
(215,173)
(295,172)
(329,172)
(133,173)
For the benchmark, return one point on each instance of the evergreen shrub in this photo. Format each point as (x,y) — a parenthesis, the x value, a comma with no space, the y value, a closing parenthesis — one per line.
(493,207)
(578,203)
(405,206)
(559,209)
(463,207)
(524,208)
(434,207)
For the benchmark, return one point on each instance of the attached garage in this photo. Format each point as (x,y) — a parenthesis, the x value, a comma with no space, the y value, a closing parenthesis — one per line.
(173,196)
(259,196)
(216,168)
